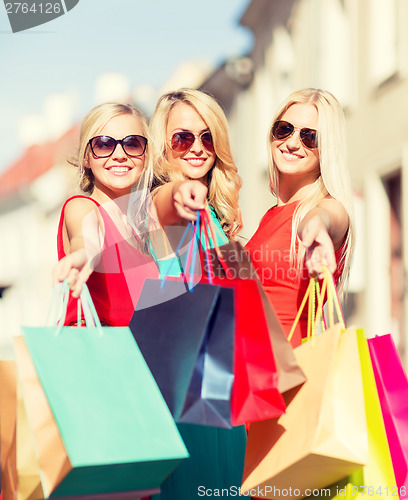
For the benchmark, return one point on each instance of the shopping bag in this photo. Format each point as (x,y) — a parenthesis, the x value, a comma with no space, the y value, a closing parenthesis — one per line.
(322,437)
(8,415)
(115,431)
(52,463)
(7,408)
(28,471)
(376,479)
(392,387)
(187,340)
(255,393)
(185,332)
(239,265)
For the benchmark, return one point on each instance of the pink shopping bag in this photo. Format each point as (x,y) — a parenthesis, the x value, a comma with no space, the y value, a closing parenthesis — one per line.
(392,387)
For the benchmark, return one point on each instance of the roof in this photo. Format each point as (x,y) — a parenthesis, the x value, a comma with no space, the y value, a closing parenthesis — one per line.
(37,160)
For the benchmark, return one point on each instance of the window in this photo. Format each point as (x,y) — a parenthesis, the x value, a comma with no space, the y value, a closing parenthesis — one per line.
(383,40)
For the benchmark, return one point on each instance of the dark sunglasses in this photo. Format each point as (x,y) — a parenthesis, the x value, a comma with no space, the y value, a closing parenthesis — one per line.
(103,146)
(282,130)
(182,141)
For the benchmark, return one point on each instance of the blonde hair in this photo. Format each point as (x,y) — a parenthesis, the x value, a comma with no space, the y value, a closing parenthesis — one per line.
(91,125)
(224,182)
(334,179)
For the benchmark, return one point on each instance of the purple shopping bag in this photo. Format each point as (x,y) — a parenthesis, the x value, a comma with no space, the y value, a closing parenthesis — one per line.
(392,387)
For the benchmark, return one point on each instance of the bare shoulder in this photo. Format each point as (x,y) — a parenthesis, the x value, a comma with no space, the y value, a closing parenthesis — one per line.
(155,191)
(78,208)
(75,212)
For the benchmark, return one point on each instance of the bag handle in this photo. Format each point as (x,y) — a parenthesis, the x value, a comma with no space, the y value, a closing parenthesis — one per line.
(200,241)
(59,304)
(316,313)
(205,233)
(191,229)
(209,225)
(310,298)
(176,252)
(333,300)
(192,252)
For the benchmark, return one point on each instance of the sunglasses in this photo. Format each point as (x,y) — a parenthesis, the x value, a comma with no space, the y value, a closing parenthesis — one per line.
(283,130)
(103,146)
(182,141)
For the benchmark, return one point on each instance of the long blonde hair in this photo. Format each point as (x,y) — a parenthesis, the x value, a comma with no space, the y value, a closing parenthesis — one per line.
(334,178)
(91,125)
(224,181)
(93,122)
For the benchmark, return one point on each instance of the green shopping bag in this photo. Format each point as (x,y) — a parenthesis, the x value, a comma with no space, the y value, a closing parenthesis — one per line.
(116,429)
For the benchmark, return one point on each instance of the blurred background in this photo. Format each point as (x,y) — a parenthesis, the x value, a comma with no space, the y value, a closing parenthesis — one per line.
(249,54)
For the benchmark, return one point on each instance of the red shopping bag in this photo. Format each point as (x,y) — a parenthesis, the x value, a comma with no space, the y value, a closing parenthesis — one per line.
(255,393)
(392,387)
(238,263)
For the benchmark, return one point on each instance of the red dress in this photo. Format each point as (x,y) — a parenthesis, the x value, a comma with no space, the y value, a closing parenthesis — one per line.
(117,280)
(285,287)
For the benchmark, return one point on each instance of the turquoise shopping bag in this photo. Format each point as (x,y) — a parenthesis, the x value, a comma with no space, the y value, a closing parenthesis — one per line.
(114,424)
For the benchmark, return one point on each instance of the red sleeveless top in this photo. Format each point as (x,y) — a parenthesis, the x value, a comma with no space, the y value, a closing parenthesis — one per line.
(285,287)
(117,279)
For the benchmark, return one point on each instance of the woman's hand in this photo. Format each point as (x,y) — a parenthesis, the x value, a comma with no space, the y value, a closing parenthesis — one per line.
(188,197)
(319,246)
(322,232)
(178,201)
(75,268)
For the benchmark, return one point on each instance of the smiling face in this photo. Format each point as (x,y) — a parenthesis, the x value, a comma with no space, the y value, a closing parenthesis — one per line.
(196,161)
(291,157)
(115,175)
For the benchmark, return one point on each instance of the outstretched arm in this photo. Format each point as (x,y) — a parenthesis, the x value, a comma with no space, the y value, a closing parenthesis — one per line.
(322,232)
(176,201)
(75,265)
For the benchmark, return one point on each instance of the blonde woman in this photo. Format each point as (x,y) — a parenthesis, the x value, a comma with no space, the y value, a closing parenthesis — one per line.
(192,161)
(95,243)
(312,222)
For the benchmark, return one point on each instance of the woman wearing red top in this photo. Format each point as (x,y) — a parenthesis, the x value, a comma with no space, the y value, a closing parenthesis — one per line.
(95,242)
(312,222)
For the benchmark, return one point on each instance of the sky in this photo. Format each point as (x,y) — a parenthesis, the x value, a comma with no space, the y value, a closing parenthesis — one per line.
(146,40)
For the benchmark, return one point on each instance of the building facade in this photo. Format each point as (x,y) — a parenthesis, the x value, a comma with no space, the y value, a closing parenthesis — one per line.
(356,49)
(32,191)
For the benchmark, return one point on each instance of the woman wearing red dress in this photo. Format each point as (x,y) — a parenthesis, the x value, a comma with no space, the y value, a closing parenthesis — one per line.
(95,243)
(312,223)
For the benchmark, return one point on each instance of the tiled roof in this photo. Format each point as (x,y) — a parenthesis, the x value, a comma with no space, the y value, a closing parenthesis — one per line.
(37,160)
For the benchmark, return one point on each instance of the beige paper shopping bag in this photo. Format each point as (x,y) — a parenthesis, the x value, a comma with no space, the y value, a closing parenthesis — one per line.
(7,407)
(322,437)
(8,415)
(28,471)
(52,456)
